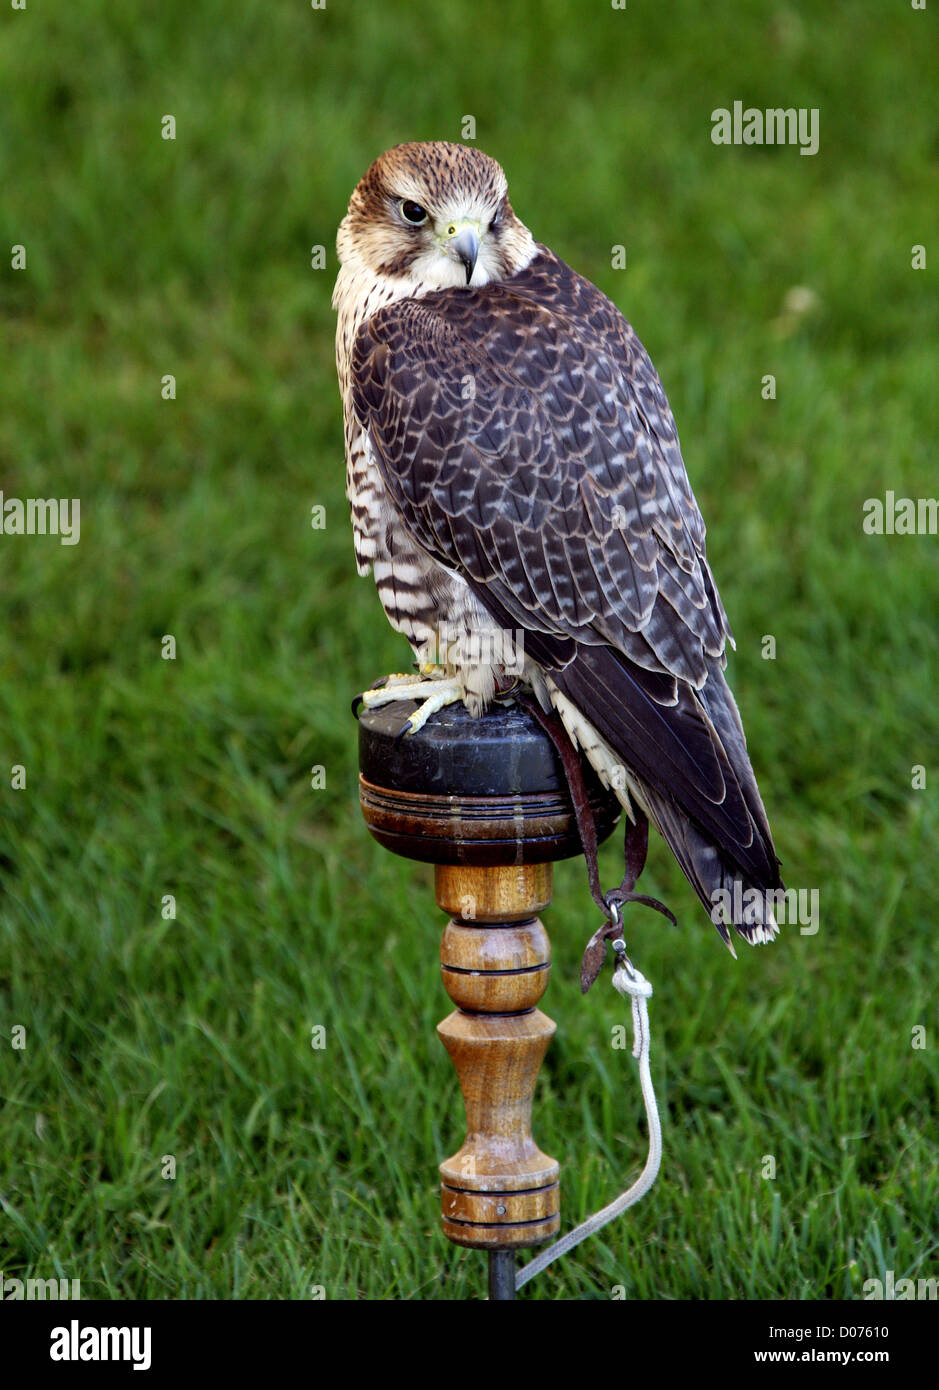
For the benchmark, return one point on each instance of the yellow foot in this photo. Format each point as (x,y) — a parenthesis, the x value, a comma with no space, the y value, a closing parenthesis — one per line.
(433,694)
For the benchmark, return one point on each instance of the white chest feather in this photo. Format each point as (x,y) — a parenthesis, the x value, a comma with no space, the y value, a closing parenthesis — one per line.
(431,605)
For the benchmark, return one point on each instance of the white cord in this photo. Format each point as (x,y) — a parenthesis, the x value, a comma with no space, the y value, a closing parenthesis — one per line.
(630,984)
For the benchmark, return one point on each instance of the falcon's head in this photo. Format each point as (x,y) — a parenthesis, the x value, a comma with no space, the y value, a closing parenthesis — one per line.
(434,213)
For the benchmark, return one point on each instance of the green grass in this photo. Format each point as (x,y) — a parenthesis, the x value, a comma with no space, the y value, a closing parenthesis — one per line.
(190,1037)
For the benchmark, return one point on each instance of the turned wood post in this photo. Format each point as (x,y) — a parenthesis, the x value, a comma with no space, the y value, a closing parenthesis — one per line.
(499,1190)
(485,800)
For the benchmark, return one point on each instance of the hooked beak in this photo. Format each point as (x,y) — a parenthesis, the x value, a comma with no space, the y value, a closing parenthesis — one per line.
(463,243)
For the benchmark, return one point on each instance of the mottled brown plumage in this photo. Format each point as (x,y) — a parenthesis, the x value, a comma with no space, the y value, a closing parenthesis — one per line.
(520,469)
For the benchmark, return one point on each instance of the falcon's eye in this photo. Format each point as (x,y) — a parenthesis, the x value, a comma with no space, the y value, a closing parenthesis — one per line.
(412,212)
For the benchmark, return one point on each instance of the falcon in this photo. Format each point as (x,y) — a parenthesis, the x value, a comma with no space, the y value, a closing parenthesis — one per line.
(518,492)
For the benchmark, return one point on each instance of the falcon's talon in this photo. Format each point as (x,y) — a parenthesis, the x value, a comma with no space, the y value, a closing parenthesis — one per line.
(430,695)
(505,695)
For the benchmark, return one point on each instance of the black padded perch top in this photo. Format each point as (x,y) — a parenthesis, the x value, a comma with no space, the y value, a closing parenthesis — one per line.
(470,791)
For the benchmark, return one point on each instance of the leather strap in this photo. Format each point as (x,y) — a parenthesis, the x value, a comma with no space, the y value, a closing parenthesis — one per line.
(635,846)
